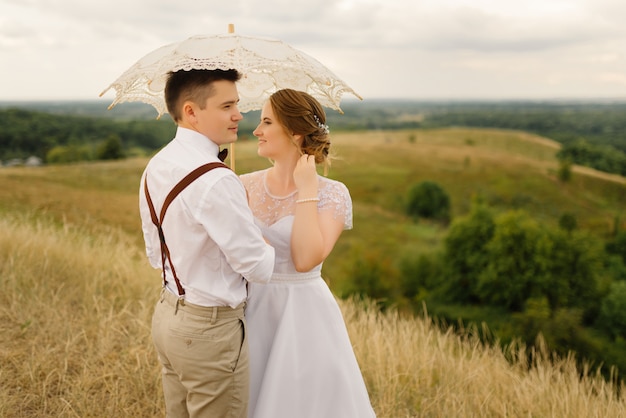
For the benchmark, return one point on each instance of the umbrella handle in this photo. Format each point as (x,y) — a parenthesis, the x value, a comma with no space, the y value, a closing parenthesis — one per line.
(231,153)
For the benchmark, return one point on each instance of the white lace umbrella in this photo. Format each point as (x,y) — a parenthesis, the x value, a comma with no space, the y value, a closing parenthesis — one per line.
(266,64)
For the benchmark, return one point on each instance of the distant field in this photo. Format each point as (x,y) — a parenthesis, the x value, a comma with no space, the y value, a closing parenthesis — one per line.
(504,168)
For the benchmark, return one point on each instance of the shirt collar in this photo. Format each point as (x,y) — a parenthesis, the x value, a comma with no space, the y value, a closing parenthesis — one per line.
(191,138)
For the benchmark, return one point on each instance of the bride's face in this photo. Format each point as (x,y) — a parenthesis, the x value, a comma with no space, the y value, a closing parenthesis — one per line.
(274,140)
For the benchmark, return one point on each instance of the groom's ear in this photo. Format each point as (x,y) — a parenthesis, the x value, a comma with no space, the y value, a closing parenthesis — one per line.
(188,112)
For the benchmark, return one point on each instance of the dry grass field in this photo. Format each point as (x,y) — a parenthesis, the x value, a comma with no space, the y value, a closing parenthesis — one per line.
(78,293)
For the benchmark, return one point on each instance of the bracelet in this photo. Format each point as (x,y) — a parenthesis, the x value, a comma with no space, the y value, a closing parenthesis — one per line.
(310,199)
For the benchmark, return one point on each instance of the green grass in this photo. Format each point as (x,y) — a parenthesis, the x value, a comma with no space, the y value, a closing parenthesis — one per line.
(506,169)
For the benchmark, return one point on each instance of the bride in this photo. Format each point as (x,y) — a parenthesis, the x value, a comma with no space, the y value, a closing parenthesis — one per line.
(301,360)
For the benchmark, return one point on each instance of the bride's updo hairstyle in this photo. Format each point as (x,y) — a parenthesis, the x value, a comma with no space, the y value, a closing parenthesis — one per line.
(301,114)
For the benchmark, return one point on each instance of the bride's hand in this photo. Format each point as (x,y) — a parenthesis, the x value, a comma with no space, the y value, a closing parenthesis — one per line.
(305,177)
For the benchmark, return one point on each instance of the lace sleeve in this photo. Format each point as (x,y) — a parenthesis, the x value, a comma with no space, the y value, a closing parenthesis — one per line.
(334,196)
(251,183)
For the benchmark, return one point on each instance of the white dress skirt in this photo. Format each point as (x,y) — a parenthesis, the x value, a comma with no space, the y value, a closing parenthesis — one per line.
(302,364)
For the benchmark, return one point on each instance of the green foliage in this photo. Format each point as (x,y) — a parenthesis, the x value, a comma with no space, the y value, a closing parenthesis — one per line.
(507,261)
(465,253)
(110,149)
(558,327)
(612,317)
(615,267)
(565,170)
(568,222)
(599,156)
(517,264)
(575,260)
(25,133)
(428,200)
(68,154)
(563,328)
(419,274)
(598,123)
(531,320)
(372,276)
(617,246)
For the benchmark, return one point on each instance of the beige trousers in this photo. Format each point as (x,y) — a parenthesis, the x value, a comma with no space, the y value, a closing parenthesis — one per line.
(204,353)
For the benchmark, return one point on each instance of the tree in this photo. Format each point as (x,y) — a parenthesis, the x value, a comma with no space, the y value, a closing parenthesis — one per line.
(612,317)
(574,264)
(565,170)
(518,262)
(618,246)
(465,253)
(110,149)
(568,222)
(428,200)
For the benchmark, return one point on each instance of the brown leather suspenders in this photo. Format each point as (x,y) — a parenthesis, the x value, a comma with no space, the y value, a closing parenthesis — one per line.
(158,222)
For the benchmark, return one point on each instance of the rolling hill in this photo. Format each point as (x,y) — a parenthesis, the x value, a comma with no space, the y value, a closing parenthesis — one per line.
(78,289)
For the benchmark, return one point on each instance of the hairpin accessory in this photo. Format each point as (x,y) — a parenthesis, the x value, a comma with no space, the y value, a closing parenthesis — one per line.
(321,125)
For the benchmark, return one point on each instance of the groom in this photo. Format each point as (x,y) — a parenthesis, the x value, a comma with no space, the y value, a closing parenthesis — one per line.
(206,244)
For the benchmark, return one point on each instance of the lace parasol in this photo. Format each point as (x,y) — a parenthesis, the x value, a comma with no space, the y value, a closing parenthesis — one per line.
(266,64)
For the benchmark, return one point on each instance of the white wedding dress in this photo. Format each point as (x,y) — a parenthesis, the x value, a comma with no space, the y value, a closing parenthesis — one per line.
(302,364)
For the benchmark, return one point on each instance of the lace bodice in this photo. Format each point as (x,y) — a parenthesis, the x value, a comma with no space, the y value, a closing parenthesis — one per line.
(269,209)
(274,214)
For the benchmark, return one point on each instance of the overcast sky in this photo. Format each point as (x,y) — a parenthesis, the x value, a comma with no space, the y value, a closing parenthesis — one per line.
(413,49)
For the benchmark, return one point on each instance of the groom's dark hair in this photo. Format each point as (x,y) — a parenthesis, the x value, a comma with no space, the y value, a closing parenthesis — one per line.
(193,85)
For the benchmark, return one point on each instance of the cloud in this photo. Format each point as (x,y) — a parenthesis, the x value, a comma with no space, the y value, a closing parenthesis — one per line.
(395,48)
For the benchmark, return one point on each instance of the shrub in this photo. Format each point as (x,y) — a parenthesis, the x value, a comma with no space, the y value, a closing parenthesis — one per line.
(68,154)
(372,277)
(618,246)
(574,263)
(531,321)
(428,200)
(612,316)
(418,274)
(518,263)
(110,149)
(568,222)
(565,170)
(465,255)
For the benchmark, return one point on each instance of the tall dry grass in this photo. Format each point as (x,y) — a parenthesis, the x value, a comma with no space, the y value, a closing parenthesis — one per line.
(74,314)
(414,368)
(74,318)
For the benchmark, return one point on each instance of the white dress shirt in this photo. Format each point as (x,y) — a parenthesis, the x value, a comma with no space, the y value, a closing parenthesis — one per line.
(209,228)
